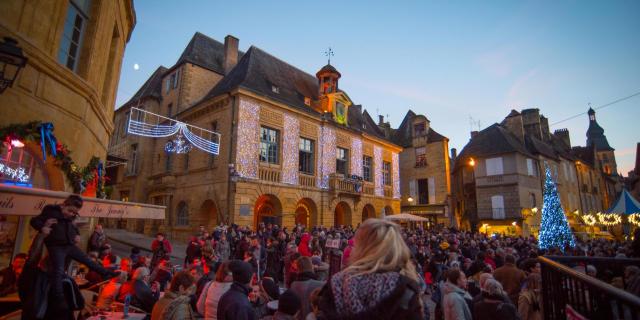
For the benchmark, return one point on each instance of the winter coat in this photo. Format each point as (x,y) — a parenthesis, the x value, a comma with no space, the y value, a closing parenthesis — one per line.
(530,306)
(63,233)
(223,250)
(210,297)
(108,295)
(279,316)
(303,289)
(455,303)
(347,253)
(494,307)
(141,295)
(172,306)
(511,279)
(235,305)
(97,242)
(274,264)
(303,247)
(33,284)
(384,295)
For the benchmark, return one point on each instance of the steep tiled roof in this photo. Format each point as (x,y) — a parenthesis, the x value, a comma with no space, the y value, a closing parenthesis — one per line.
(402,136)
(584,154)
(152,88)
(493,140)
(536,146)
(205,52)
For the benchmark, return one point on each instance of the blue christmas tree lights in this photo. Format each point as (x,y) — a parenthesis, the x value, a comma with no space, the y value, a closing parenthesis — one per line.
(554,228)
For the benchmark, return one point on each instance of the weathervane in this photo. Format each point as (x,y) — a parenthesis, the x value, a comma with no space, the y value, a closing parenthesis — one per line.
(329,54)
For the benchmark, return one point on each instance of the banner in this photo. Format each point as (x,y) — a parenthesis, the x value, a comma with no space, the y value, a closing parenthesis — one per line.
(29,202)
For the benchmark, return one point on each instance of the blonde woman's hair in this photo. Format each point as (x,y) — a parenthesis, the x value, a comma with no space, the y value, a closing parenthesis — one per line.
(379,247)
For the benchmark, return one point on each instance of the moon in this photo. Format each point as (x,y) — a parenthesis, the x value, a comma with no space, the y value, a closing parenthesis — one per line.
(136,66)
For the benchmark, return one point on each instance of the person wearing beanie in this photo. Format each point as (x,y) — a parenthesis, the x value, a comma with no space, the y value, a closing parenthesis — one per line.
(235,304)
(288,306)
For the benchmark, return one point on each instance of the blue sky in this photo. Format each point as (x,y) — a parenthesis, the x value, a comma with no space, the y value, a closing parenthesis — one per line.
(452,61)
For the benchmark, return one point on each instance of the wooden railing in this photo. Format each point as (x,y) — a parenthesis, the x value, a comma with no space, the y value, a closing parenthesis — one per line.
(339,183)
(268,174)
(369,189)
(564,288)
(307,181)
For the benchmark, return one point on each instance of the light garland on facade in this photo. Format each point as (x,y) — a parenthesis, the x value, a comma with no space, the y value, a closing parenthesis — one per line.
(634,219)
(248,133)
(589,219)
(328,142)
(377,169)
(356,157)
(18,174)
(609,219)
(290,150)
(395,168)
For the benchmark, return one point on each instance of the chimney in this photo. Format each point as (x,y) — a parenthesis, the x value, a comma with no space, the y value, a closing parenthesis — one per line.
(454,154)
(531,122)
(474,134)
(230,53)
(563,134)
(544,127)
(380,120)
(513,123)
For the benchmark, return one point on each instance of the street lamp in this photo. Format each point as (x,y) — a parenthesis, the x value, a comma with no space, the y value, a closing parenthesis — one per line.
(472,162)
(410,199)
(11,61)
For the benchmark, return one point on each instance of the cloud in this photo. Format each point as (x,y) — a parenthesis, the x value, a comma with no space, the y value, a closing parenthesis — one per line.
(524,88)
(497,62)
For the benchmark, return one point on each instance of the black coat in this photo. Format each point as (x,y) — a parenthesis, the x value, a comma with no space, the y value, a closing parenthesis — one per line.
(143,297)
(63,233)
(494,307)
(234,304)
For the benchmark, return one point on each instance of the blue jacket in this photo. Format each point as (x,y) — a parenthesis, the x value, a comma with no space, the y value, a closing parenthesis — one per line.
(235,304)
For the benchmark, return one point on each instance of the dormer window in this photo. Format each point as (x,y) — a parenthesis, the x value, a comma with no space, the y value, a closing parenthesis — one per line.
(275,89)
(419,129)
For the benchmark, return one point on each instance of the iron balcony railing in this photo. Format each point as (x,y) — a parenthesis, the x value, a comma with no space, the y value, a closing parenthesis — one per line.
(565,290)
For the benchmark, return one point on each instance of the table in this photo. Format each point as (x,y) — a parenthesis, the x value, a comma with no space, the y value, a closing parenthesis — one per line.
(12,298)
(117,315)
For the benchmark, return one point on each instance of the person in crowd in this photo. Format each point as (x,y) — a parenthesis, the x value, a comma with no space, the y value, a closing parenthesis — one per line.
(242,246)
(162,274)
(455,305)
(632,279)
(591,270)
(314,299)
(201,279)
(234,304)
(110,291)
(161,249)
(222,248)
(268,291)
(305,283)
(194,251)
(347,253)
(212,292)
(303,248)
(62,243)
(489,258)
(289,258)
(10,275)
(510,277)
(530,300)
(135,254)
(288,307)
(98,240)
(494,303)
(274,258)
(33,282)
(381,281)
(143,261)
(478,265)
(175,303)
(143,293)
(478,287)
(259,254)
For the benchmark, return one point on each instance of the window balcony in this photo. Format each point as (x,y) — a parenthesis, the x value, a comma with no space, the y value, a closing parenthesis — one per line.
(269,174)
(340,184)
(306,180)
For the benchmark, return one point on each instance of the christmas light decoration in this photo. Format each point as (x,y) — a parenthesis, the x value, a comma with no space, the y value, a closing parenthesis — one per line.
(18,174)
(377,169)
(356,157)
(328,145)
(589,219)
(395,168)
(554,228)
(319,161)
(149,124)
(248,135)
(609,219)
(290,150)
(635,219)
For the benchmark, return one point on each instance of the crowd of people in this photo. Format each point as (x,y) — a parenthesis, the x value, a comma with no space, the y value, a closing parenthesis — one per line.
(376,270)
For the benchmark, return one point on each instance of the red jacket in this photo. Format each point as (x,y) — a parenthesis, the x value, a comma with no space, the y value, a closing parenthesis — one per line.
(303,247)
(155,245)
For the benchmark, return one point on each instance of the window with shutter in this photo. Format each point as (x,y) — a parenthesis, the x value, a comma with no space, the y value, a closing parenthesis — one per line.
(497,207)
(494,166)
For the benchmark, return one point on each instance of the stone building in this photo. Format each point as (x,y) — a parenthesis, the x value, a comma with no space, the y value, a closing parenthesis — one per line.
(424,169)
(74,50)
(293,146)
(498,177)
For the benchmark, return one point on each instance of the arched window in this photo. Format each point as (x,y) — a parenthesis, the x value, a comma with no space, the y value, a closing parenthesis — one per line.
(183,214)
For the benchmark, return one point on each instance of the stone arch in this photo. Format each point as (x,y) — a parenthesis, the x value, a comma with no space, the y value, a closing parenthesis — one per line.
(387,210)
(209,214)
(306,212)
(368,211)
(342,214)
(267,209)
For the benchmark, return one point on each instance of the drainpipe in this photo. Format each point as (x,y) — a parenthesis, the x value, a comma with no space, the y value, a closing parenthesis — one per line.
(232,134)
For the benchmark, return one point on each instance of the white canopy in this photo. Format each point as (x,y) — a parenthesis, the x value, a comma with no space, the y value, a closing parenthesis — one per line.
(406,217)
(30,201)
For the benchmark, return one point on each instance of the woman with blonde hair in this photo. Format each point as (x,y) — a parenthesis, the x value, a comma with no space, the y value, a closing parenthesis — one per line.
(380,282)
(530,300)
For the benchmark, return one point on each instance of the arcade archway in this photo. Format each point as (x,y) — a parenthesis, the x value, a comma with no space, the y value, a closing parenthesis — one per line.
(306,212)
(208,214)
(368,212)
(342,214)
(267,209)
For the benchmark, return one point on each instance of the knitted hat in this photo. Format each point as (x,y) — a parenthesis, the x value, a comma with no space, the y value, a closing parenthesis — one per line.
(271,288)
(444,245)
(241,270)
(289,303)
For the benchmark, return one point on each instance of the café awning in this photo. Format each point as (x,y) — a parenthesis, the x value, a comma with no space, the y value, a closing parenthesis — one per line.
(30,201)
(406,217)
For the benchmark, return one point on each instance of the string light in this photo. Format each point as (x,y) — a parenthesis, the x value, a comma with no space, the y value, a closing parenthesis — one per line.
(328,141)
(635,219)
(177,145)
(18,174)
(356,157)
(319,160)
(609,219)
(377,168)
(554,228)
(290,150)
(589,219)
(248,132)
(396,175)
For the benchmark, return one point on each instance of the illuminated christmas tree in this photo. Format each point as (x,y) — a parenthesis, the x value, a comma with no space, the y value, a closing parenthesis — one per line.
(554,228)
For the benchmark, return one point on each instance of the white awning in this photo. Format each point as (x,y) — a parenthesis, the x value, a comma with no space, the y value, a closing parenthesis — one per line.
(406,217)
(30,201)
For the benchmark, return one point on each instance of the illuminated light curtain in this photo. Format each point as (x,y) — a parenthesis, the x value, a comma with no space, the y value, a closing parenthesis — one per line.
(248,136)
(328,145)
(377,169)
(395,167)
(356,157)
(290,150)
